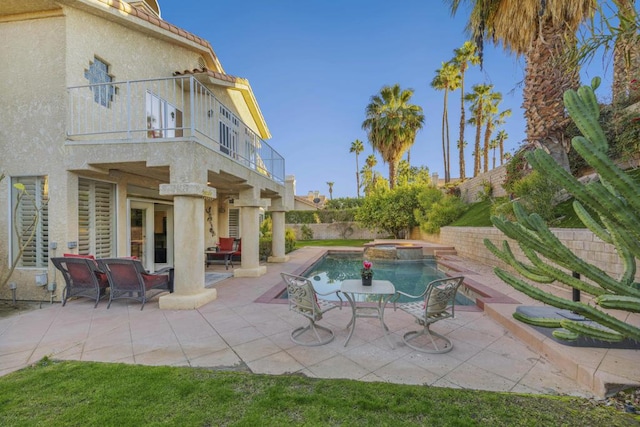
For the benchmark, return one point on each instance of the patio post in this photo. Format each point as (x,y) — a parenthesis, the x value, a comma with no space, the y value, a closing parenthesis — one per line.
(250,204)
(278,248)
(188,207)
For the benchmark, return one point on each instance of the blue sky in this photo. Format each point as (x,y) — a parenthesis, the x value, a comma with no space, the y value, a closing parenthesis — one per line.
(314,65)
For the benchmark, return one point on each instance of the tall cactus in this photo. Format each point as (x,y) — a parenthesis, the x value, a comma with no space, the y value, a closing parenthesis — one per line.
(615,200)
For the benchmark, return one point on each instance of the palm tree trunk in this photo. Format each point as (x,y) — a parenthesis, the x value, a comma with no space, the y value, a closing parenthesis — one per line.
(546,80)
(462,124)
(357,177)
(447,166)
(444,148)
(476,159)
(626,60)
(487,137)
(392,173)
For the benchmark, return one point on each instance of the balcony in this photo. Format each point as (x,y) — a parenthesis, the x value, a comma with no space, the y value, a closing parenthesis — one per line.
(166,110)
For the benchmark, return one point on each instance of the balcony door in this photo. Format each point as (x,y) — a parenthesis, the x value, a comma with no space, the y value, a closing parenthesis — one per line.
(150,233)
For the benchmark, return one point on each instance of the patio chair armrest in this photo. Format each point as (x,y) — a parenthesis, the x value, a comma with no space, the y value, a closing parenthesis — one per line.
(336,293)
(396,296)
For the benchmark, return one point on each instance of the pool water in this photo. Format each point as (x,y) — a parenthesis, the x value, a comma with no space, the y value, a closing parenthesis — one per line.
(407,276)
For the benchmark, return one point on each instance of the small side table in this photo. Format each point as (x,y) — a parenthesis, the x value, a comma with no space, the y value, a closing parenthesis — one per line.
(384,290)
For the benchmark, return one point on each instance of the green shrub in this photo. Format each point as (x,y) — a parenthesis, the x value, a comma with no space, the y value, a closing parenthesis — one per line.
(443,212)
(391,210)
(265,248)
(343,203)
(289,244)
(487,191)
(289,240)
(502,207)
(307,232)
(536,193)
(299,217)
(516,169)
(324,216)
(266,227)
(621,127)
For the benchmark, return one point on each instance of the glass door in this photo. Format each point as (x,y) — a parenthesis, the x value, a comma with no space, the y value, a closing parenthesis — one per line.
(141,233)
(162,236)
(151,234)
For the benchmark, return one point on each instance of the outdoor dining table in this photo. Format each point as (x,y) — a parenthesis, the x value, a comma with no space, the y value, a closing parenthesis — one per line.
(228,257)
(383,290)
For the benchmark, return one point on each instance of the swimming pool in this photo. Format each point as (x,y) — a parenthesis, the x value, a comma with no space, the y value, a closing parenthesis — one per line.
(407,276)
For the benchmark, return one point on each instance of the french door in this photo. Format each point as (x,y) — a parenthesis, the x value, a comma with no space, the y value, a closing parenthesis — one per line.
(150,233)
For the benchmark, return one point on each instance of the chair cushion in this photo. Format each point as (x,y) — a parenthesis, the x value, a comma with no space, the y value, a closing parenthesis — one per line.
(438,301)
(152,281)
(226,243)
(79,256)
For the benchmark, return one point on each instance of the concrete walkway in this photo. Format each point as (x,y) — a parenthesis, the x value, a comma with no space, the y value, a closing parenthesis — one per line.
(245,330)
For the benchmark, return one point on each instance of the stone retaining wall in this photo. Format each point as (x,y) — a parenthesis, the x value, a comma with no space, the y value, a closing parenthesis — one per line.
(472,189)
(469,243)
(337,230)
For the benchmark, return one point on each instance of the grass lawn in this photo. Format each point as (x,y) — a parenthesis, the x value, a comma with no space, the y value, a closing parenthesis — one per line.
(100,394)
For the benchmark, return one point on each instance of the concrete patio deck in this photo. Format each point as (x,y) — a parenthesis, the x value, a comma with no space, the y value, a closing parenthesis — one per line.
(237,331)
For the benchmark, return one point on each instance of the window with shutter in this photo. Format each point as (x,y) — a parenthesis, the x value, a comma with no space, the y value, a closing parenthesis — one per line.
(234,223)
(31,221)
(96,213)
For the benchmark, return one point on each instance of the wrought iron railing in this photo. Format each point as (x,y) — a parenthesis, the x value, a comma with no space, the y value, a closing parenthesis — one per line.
(166,109)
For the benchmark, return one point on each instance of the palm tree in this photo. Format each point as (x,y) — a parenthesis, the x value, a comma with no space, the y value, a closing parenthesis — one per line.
(464,56)
(542,31)
(492,119)
(478,98)
(626,54)
(330,184)
(391,124)
(490,112)
(493,144)
(447,78)
(368,174)
(357,147)
(501,137)
(463,165)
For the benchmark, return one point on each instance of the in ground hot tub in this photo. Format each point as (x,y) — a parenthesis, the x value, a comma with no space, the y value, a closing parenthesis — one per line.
(390,251)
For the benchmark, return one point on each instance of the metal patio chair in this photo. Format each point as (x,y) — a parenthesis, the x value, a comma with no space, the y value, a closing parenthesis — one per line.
(436,303)
(303,299)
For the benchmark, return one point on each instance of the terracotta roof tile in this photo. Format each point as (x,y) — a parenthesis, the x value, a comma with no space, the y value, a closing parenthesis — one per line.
(215,74)
(141,14)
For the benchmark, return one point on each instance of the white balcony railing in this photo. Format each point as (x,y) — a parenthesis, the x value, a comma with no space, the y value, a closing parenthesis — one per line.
(166,109)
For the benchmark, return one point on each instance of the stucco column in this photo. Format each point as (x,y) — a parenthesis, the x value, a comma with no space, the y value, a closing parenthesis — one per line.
(277,237)
(278,231)
(188,207)
(250,204)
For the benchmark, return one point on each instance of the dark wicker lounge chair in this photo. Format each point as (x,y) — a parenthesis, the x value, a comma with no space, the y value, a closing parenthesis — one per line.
(128,279)
(82,278)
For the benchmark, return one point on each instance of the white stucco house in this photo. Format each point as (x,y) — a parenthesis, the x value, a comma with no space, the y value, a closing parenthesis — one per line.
(134,141)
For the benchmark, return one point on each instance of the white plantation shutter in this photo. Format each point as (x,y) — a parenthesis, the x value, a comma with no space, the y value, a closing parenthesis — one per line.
(36,252)
(234,223)
(96,225)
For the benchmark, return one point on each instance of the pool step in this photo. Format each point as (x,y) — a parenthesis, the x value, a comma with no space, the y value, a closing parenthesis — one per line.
(445,251)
